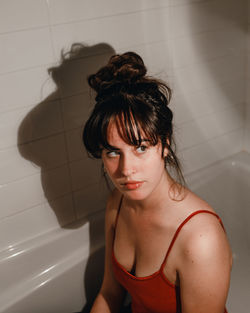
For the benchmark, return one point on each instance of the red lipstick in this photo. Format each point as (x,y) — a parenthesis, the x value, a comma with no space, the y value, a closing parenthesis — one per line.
(132,185)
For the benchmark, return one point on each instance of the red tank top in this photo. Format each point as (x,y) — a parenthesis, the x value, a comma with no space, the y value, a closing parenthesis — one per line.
(153,293)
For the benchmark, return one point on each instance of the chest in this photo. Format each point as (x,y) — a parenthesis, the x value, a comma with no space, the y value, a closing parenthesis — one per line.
(141,245)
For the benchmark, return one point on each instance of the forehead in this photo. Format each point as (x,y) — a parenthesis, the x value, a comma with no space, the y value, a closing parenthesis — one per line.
(129,129)
(112,131)
(116,140)
(116,132)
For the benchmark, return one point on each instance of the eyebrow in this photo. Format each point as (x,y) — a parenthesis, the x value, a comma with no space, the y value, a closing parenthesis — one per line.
(143,140)
(113,148)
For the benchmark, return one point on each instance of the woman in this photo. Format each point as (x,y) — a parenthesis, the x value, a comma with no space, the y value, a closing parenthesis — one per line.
(164,244)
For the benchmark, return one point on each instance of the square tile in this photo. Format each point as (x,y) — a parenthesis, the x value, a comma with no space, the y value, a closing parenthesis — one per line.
(17,15)
(46,153)
(130,30)
(25,49)
(211,151)
(64,11)
(90,200)
(210,126)
(35,221)
(25,88)
(75,147)
(28,124)
(76,110)
(13,166)
(86,172)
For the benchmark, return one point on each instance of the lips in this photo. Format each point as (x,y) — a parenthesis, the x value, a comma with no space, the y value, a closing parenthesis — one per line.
(132,185)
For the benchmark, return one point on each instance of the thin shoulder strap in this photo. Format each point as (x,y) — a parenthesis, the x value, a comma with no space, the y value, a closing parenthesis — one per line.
(180,227)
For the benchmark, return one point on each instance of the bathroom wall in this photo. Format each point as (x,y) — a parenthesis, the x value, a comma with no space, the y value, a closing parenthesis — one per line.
(47,181)
(247,118)
(208,48)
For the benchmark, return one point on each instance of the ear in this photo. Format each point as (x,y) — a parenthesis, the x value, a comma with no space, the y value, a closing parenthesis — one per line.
(165,152)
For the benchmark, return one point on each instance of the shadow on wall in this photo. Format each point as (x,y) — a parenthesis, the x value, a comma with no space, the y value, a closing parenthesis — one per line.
(50,136)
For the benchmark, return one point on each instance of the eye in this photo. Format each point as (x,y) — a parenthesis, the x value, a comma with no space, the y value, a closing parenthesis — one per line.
(112,154)
(141,149)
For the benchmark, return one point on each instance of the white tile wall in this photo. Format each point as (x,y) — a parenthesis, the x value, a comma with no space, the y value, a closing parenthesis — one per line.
(75,110)
(25,49)
(33,190)
(211,151)
(207,46)
(25,14)
(9,125)
(35,221)
(192,105)
(191,18)
(72,75)
(158,59)
(24,88)
(208,74)
(198,46)
(247,113)
(210,126)
(23,125)
(13,166)
(47,153)
(75,147)
(88,201)
(121,32)
(62,11)
(85,172)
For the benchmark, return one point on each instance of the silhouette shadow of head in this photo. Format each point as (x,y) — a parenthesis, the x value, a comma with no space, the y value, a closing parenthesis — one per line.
(50,136)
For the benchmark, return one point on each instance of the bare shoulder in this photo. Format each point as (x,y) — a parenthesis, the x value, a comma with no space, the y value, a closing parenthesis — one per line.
(204,263)
(193,202)
(203,239)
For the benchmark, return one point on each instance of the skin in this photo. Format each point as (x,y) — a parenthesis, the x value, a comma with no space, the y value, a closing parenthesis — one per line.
(200,261)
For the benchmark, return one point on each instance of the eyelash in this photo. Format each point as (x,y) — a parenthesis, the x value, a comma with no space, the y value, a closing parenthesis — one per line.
(109,154)
(144,149)
(113,154)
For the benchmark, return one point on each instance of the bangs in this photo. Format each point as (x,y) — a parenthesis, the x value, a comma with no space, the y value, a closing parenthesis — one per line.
(134,120)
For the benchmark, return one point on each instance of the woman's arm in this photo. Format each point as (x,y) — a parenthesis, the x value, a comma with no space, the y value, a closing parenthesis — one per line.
(111,295)
(205,266)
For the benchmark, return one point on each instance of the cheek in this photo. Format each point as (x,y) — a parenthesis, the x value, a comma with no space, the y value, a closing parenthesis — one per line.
(110,166)
(156,166)
(152,169)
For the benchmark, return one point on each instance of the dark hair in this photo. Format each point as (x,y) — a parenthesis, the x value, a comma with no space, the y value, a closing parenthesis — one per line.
(138,103)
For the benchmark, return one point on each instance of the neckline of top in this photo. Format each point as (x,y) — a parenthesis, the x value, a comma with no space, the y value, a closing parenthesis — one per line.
(168,250)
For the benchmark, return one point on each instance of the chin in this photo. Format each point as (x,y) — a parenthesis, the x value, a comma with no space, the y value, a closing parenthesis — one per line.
(135,195)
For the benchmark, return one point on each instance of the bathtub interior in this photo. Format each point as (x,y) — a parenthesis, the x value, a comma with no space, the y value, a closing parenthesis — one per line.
(57,272)
(61,271)
(226,186)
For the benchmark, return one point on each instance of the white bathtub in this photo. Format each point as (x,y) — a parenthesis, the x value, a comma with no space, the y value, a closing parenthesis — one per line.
(54,273)
(226,186)
(60,271)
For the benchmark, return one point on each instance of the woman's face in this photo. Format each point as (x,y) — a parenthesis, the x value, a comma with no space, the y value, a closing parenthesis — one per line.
(135,171)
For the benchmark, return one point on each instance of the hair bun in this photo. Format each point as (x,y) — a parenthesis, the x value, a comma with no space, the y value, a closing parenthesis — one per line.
(128,66)
(125,69)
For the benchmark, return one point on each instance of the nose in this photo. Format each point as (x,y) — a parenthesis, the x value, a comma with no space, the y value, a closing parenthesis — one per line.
(127,165)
